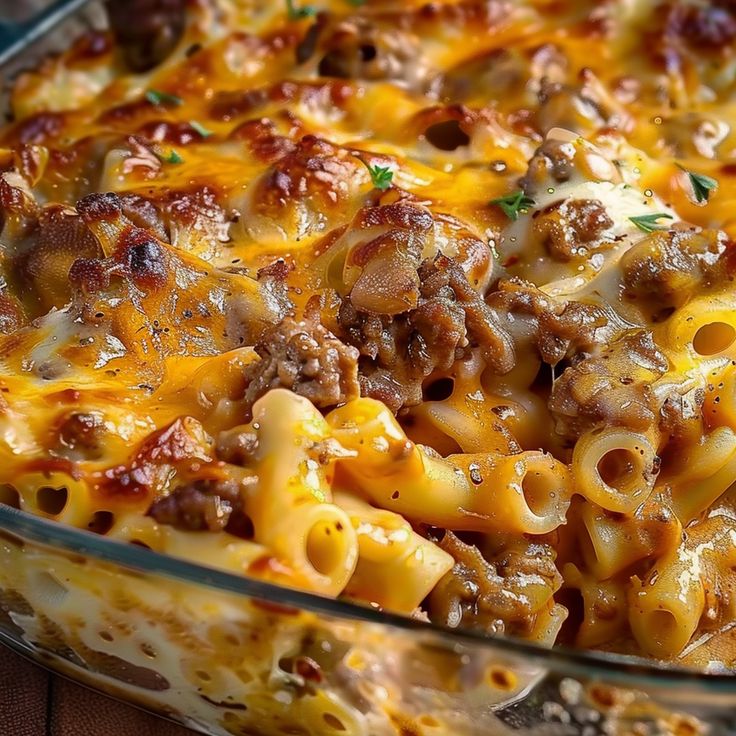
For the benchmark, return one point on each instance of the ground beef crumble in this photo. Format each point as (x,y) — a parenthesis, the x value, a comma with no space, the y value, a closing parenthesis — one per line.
(204,506)
(399,351)
(305,357)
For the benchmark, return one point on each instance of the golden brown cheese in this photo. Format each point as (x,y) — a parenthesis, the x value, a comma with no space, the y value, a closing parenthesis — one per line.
(506,223)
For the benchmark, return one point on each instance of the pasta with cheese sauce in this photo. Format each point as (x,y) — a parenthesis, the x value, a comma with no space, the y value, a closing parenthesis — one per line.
(425,305)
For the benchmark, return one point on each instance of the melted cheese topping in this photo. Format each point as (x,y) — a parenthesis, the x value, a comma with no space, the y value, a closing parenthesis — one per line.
(508,223)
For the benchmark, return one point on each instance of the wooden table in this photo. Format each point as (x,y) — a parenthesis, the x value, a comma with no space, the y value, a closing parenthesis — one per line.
(35,703)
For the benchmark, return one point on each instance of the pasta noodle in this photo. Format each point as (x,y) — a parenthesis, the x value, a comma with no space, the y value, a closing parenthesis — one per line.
(527,492)
(389,549)
(401,303)
(614,469)
(291,509)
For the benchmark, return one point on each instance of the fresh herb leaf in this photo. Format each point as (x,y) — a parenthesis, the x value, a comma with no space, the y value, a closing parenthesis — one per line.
(514,204)
(172,157)
(200,129)
(702,185)
(156,97)
(648,223)
(356,3)
(297,13)
(381,176)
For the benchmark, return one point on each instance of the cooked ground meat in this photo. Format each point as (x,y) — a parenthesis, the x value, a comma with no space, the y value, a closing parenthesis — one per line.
(552,160)
(204,506)
(710,28)
(584,106)
(491,594)
(147,30)
(305,357)
(12,316)
(82,436)
(399,351)
(570,229)
(236,446)
(669,266)
(359,49)
(613,387)
(558,329)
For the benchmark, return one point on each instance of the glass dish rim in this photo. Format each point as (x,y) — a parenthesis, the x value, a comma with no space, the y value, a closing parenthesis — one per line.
(626,669)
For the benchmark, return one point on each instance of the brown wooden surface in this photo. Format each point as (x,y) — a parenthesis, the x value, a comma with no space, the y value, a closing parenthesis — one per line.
(35,703)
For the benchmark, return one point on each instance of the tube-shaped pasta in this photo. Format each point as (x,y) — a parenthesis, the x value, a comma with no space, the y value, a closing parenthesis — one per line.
(547,624)
(56,495)
(664,615)
(705,328)
(214,549)
(397,568)
(482,413)
(665,609)
(468,423)
(527,492)
(719,407)
(611,543)
(705,472)
(291,510)
(614,468)
(604,606)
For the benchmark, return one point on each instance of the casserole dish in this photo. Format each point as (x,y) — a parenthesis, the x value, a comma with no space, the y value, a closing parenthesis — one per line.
(195,645)
(226,654)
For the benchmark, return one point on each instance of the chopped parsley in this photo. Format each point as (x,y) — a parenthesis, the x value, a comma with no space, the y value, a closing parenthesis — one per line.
(297,13)
(514,204)
(702,185)
(172,157)
(381,176)
(156,97)
(200,129)
(648,223)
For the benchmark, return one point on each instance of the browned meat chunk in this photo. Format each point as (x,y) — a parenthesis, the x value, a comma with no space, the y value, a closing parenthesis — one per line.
(82,436)
(305,357)
(204,506)
(668,267)
(358,49)
(710,28)
(558,329)
(401,350)
(147,30)
(614,387)
(12,316)
(496,594)
(570,229)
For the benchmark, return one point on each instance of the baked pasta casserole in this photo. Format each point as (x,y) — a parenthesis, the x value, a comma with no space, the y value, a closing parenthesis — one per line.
(429,306)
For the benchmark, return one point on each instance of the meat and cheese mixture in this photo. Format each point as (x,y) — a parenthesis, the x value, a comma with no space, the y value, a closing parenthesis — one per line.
(428,305)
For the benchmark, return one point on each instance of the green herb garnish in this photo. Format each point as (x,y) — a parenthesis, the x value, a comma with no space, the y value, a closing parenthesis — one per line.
(648,223)
(356,3)
(514,204)
(702,185)
(297,13)
(200,129)
(381,176)
(156,97)
(170,158)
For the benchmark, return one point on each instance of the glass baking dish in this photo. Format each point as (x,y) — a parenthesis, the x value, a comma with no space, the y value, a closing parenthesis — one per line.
(230,655)
(224,654)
